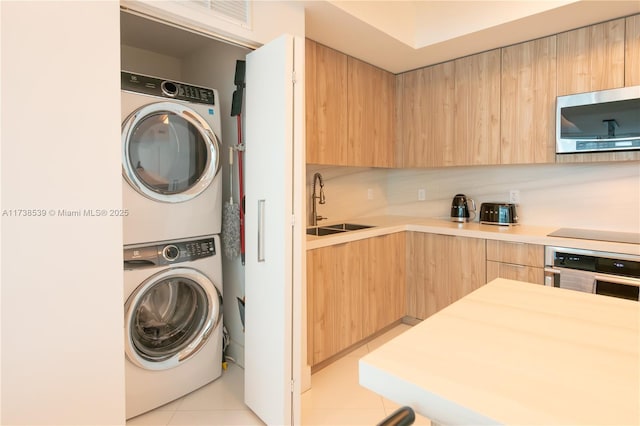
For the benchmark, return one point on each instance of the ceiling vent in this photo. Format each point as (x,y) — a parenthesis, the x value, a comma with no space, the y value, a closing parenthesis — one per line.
(235,11)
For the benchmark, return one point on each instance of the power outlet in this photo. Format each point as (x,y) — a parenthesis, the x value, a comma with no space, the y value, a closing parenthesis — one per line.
(514,196)
(422,195)
(370,194)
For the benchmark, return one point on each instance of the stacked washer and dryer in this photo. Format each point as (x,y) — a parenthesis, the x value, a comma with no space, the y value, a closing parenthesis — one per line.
(172,255)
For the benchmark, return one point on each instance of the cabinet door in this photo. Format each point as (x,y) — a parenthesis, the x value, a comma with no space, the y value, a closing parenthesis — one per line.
(273,305)
(383,281)
(441,270)
(632,51)
(516,253)
(335,298)
(514,272)
(326,105)
(516,261)
(426,112)
(477,110)
(528,101)
(591,58)
(371,115)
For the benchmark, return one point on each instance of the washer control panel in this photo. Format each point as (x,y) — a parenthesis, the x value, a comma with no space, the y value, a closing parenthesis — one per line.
(169,253)
(166,89)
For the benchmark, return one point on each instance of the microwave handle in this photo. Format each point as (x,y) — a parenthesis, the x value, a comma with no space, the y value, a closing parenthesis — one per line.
(551,277)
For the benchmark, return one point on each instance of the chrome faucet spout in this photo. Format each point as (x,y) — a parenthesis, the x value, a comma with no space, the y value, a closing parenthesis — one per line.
(317,180)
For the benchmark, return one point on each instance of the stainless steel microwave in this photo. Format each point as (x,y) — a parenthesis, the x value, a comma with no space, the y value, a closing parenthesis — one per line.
(607,120)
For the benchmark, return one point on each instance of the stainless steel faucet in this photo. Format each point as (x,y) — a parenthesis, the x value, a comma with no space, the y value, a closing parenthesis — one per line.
(317,178)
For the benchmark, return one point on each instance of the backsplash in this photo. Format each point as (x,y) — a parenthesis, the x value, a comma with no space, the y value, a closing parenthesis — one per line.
(597,196)
(345,190)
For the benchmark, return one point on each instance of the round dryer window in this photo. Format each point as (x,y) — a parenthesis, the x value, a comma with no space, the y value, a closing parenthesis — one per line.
(169,152)
(169,318)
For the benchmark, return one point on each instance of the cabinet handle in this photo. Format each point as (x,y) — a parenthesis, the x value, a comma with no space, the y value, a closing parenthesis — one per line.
(261,213)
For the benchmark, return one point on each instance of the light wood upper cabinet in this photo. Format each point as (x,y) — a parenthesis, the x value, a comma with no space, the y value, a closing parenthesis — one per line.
(592,58)
(426,116)
(350,110)
(371,115)
(476,119)
(442,269)
(450,113)
(632,51)
(326,105)
(528,102)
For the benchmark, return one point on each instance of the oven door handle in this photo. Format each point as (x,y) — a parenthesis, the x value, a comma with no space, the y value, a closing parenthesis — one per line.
(617,280)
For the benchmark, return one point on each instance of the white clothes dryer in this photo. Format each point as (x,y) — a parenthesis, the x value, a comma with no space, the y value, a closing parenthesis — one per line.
(173,320)
(171,185)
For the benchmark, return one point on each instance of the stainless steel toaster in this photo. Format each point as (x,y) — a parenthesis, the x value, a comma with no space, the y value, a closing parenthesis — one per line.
(498,214)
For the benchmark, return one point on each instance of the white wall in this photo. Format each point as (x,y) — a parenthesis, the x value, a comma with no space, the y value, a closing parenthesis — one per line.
(346,192)
(269,19)
(597,196)
(143,61)
(62,289)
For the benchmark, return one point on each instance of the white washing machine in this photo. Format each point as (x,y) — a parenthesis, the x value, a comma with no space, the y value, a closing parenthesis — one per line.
(171,185)
(173,320)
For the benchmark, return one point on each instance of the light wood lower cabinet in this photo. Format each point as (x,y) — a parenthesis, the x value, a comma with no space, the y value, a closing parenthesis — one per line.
(514,272)
(442,269)
(516,261)
(384,282)
(353,290)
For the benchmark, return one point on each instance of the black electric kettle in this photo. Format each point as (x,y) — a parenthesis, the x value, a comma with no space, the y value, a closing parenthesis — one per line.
(460,211)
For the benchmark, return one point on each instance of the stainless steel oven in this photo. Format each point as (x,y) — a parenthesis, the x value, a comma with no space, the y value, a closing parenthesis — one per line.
(609,274)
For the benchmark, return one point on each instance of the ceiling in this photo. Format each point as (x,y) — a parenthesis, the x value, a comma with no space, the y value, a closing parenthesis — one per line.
(399,35)
(157,37)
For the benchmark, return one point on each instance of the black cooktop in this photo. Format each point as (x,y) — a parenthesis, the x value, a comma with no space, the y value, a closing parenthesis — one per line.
(590,234)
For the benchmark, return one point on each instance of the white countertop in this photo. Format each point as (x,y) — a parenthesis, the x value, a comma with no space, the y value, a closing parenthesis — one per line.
(517,353)
(520,233)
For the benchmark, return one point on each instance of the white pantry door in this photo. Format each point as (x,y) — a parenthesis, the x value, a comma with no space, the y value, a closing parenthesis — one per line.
(273,278)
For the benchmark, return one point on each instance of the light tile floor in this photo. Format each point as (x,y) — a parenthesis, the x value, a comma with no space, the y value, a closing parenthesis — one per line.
(335,398)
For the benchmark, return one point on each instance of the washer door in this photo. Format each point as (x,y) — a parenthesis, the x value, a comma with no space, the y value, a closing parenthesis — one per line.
(169,152)
(169,317)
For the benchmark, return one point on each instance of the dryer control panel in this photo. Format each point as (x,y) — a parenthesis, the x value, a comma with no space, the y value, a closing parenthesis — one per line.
(153,86)
(168,253)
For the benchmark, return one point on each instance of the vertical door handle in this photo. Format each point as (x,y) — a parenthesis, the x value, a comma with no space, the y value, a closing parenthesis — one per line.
(261,213)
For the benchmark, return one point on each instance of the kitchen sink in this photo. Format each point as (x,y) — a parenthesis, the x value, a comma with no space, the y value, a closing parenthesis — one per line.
(335,229)
(321,231)
(348,226)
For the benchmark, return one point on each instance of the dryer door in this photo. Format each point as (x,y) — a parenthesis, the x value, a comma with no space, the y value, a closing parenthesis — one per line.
(169,317)
(169,152)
